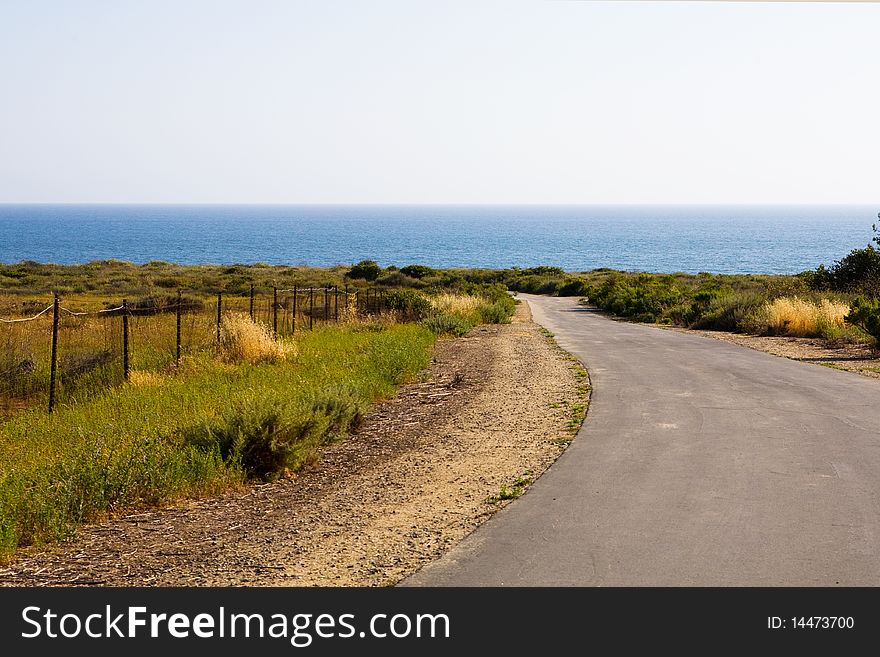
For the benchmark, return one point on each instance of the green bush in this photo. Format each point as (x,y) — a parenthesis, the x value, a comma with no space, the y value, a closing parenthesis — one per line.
(417,271)
(865,313)
(572,287)
(496,313)
(858,272)
(444,324)
(644,298)
(412,305)
(738,311)
(365,269)
(263,435)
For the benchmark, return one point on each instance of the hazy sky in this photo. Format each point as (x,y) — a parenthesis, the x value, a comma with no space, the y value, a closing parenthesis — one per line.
(438,102)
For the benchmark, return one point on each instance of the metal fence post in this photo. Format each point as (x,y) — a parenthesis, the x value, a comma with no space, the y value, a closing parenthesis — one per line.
(125,364)
(311,306)
(336,303)
(53,368)
(326,303)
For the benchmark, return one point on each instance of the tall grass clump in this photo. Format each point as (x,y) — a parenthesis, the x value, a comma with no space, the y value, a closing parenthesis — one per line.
(799,317)
(211,426)
(242,340)
(464,305)
(457,313)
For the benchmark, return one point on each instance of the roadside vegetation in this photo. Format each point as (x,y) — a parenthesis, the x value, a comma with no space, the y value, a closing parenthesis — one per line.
(248,405)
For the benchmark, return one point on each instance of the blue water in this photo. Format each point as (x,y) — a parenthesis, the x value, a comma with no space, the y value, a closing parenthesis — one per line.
(722,239)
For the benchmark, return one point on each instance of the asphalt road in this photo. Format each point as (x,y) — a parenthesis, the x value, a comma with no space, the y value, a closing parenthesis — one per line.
(700,463)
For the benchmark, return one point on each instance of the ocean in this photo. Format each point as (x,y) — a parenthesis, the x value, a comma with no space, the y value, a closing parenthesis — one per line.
(718,239)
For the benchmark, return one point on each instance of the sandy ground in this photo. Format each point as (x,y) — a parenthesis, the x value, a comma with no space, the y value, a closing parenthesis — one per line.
(415,480)
(858,358)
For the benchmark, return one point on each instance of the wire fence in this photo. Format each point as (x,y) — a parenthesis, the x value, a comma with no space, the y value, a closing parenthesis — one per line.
(57,353)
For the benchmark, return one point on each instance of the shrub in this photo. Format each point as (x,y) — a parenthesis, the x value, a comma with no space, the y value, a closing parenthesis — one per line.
(644,298)
(399,279)
(365,269)
(736,311)
(495,313)
(412,305)
(264,436)
(242,340)
(444,324)
(857,272)
(865,313)
(572,287)
(417,271)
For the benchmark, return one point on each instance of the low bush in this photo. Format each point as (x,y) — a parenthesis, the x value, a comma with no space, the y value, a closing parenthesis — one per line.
(865,314)
(410,304)
(495,313)
(735,312)
(445,324)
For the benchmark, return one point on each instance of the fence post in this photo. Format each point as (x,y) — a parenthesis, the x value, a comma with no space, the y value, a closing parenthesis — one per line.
(219,307)
(357,301)
(293,314)
(53,367)
(326,303)
(336,303)
(178,312)
(251,306)
(311,306)
(275,312)
(125,367)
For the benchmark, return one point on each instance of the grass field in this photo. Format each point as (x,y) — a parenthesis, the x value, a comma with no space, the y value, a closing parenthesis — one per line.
(249,405)
(211,426)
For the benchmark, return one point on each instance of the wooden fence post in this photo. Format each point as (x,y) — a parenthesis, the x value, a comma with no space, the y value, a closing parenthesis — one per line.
(275,312)
(178,312)
(125,364)
(53,367)
(293,314)
(219,307)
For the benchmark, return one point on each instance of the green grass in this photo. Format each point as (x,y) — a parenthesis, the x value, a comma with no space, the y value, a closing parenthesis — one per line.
(513,491)
(210,427)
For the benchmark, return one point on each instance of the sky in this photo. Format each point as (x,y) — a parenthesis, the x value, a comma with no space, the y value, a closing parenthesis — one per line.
(380,101)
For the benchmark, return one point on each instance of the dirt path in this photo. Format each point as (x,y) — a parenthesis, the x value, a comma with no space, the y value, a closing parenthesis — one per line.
(416,479)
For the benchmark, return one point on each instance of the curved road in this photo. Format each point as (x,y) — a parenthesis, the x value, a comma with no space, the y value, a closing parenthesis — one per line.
(700,463)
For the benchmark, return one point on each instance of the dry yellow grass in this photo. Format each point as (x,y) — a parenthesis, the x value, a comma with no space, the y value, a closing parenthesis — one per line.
(145,378)
(800,317)
(457,304)
(244,340)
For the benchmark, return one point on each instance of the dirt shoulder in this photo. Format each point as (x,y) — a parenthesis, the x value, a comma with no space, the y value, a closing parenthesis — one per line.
(857,358)
(415,480)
